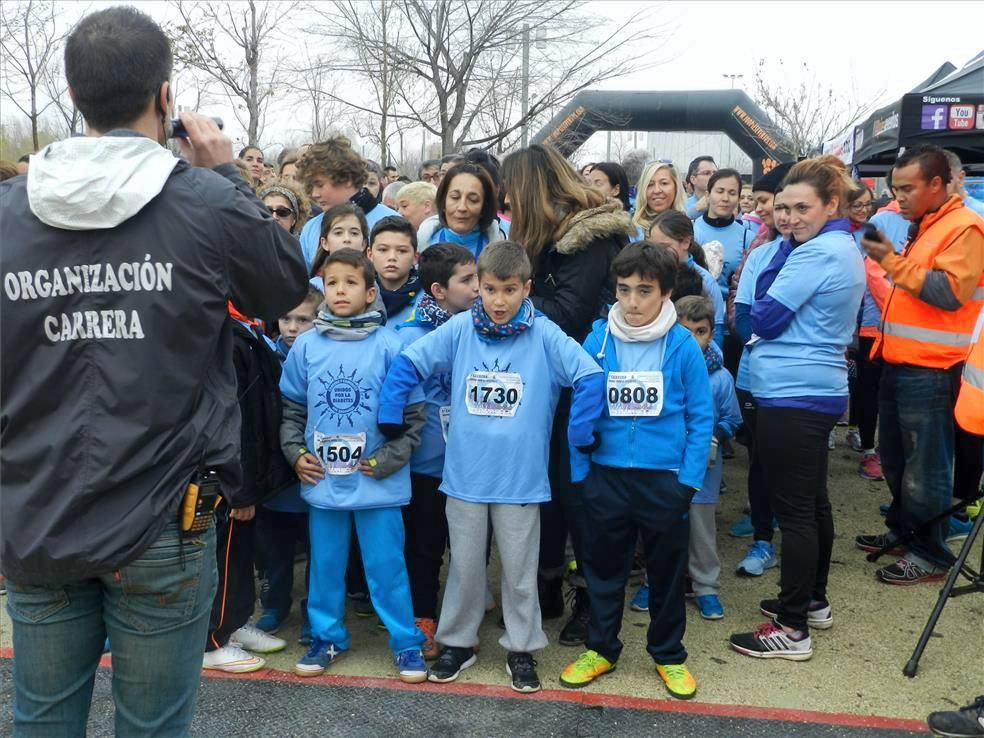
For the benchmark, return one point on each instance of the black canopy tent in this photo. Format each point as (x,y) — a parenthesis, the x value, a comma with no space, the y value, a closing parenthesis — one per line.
(729,111)
(949,113)
(924,116)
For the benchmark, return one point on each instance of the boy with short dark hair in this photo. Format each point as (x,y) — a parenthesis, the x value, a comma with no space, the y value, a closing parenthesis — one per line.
(508,365)
(647,462)
(352,472)
(282,521)
(393,251)
(448,276)
(696,314)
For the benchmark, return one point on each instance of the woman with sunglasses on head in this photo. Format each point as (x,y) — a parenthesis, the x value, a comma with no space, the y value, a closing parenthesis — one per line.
(804,314)
(571,233)
(287,204)
(659,190)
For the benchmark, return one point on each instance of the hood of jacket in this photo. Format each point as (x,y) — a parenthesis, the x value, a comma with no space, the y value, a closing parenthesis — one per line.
(85,184)
(588,225)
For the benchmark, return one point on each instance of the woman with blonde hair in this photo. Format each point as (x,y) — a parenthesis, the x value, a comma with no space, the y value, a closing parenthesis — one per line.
(571,232)
(659,190)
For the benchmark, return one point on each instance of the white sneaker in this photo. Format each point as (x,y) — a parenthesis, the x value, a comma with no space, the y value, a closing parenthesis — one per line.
(253,639)
(232,659)
(831,443)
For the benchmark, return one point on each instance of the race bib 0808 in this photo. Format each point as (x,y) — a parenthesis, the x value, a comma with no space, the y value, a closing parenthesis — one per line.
(493,393)
(340,454)
(635,394)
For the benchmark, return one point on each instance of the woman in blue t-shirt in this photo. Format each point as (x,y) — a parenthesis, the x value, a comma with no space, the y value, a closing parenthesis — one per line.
(803,319)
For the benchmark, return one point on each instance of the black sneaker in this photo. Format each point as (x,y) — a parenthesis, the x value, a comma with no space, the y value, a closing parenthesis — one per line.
(872,543)
(362,606)
(522,668)
(967,722)
(575,632)
(451,662)
(551,592)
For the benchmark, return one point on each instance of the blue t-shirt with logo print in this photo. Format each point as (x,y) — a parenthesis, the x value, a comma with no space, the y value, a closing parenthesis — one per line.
(339,382)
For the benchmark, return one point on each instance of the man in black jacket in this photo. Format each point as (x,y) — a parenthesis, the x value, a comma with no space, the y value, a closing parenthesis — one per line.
(118,387)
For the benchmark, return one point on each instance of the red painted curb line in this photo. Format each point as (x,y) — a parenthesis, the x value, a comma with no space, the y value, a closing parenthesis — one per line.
(580,697)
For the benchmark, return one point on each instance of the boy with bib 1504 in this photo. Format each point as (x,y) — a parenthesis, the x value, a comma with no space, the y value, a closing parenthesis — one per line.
(650,458)
(349,471)
(508,365)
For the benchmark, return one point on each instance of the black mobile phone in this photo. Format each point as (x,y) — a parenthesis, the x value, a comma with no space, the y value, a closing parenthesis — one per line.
(178,128)
(871,233)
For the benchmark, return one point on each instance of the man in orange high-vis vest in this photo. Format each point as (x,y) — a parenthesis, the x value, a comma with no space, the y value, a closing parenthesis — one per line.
(927,323)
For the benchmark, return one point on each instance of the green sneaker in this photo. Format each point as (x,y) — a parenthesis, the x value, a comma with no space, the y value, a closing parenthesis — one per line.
(678,680)
(589,666)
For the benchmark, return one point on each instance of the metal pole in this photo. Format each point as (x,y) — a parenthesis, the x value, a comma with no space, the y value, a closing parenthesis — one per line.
(608,148)
(526,83)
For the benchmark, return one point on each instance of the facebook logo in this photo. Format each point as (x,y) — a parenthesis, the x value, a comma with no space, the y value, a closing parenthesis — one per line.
(933,118)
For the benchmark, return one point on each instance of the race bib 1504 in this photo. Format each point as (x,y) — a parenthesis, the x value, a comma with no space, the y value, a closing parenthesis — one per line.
(493,393)
(635,394)
(340,454)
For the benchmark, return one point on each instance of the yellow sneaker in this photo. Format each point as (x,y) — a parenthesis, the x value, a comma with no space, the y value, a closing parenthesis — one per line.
(678,680)
(974,508)
(589,666)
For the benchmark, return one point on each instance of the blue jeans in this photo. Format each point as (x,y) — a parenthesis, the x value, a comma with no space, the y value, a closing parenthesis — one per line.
(915,434)
(154,610)
(381,540)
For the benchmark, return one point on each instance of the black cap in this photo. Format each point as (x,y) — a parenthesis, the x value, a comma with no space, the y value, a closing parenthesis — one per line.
(770,182)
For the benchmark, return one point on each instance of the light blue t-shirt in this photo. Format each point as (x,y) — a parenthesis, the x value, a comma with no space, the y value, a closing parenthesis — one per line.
(690,205)
(500,458)
(311,233)
(429,457)
(339,382)
(754,264)
(735,239)
(822,282)
(974,204)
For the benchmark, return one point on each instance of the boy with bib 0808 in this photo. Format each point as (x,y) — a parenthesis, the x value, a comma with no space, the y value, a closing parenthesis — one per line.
(349,470)
(508,365)
(649,458)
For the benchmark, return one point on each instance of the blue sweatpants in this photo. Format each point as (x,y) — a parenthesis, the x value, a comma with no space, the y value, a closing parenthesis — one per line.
(380,534)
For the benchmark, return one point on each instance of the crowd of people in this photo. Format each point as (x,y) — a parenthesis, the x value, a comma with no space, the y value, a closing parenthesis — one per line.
(382,375)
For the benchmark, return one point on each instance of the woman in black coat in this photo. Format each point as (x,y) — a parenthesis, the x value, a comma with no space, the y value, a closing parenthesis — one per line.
(571,232)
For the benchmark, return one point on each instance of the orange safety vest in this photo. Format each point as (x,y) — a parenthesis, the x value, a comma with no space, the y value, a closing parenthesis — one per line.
(969,410)
(914,332)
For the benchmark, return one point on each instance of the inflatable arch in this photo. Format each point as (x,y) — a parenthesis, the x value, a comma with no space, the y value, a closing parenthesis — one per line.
(730,111)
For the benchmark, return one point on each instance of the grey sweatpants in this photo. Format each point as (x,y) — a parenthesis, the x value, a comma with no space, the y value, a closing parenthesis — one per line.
(705,566)
(517,536)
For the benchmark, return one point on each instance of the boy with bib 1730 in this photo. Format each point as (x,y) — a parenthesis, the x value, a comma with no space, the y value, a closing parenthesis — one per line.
(508,365)
(349,470)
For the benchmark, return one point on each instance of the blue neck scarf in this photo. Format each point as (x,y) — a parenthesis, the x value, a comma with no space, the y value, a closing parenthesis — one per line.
(769,274)
(474,240)
(491,332)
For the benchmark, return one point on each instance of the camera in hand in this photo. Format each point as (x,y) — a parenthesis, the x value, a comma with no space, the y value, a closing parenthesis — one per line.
(178,128)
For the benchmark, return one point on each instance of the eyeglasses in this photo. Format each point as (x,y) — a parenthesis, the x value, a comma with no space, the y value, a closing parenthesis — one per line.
(705,173)
(281,212)
(862,206)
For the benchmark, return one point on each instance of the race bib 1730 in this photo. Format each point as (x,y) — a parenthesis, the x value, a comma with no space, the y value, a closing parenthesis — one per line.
(340,454)
(635,394)
(493,393)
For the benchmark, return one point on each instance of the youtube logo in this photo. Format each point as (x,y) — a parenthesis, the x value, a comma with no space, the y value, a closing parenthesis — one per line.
(961,117)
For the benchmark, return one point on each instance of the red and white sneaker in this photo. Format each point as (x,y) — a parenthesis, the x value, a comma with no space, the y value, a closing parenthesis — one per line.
(770,641)
(905,573)
(870,467)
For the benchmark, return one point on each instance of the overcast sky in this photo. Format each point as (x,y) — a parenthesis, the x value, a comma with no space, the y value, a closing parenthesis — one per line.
(881,49)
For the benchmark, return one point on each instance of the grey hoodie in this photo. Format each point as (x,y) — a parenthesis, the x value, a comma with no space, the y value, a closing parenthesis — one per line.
(116,346)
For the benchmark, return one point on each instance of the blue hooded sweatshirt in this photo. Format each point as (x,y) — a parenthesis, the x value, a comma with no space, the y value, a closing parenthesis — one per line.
(340,383)
(497,454)
(676,440)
